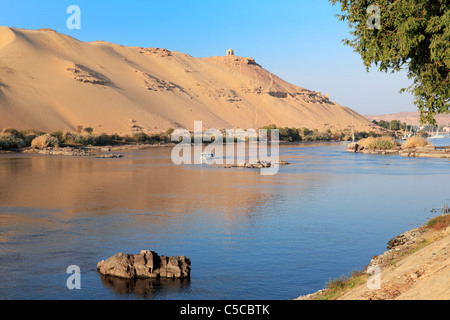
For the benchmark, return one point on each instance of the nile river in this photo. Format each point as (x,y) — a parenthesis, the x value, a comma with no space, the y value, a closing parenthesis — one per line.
(248,236)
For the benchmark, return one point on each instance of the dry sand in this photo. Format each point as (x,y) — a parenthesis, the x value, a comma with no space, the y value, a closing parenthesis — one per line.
(422,275)
(411,118)
(51,81)
(417,268)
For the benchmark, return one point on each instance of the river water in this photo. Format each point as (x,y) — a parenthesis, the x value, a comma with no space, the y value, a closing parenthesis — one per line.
(248,236)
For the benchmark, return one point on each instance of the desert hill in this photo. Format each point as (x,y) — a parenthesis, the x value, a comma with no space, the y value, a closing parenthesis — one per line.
(50,81)
(411,118)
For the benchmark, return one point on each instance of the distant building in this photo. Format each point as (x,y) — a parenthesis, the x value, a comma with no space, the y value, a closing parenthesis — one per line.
(230,52)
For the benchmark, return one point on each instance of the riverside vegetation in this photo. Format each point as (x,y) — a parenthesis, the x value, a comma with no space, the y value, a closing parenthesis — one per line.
(12,139)
(413,147)
(388,143)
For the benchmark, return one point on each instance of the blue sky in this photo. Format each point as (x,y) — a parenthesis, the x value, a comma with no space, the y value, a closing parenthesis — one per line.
(298,40)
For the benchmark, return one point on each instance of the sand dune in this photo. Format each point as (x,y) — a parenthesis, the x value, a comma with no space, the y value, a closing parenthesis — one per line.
(51,81)
(412,118)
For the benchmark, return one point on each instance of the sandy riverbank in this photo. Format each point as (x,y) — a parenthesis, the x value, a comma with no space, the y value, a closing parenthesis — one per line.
(416,267)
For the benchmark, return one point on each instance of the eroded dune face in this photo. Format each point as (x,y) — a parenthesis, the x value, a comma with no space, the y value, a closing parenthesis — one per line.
(50,81)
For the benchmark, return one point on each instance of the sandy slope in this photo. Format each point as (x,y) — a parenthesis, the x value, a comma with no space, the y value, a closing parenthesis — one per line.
(50,81)
(417,267)
(411,118)
(422,275)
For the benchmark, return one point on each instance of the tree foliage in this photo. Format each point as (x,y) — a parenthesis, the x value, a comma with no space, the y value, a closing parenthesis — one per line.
(414,35)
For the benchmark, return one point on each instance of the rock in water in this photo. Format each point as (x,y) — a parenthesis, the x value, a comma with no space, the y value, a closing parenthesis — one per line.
(146,264)
(354,147)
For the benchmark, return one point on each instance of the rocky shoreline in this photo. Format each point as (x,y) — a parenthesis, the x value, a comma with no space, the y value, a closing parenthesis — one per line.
(97,152)
(71,152)
(259,164)
(66,151)
(417,152)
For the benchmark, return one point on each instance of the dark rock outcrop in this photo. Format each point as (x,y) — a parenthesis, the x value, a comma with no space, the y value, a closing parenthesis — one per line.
(407,238)
(110,156)
(146,264)
(259,164)
(84,74)
(354,147)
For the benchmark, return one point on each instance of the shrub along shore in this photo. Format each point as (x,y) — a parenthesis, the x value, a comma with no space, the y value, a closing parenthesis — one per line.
(16,140)
(413,147)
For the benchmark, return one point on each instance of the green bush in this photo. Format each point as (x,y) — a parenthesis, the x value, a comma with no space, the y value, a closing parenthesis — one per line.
(289,134)
(306,132)
(140,137)
(11,141)
(30,135)
(439,222)
(14,132)
(270,127)
(170,131)
(58,135)
(85,139)
(380,143)
(104,140)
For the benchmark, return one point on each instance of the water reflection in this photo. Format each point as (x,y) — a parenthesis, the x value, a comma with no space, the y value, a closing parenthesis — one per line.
(146,288)
(141,183)
(325,214)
